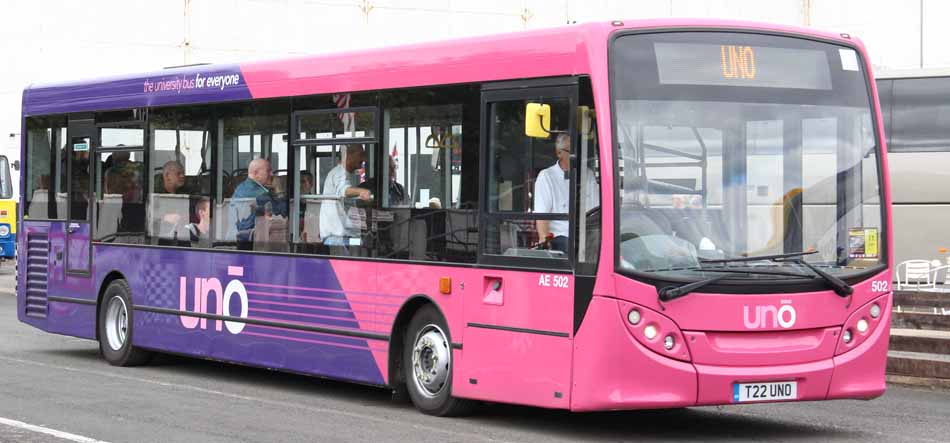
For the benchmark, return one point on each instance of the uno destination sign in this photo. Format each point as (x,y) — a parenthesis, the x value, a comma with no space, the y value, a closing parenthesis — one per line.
(739,65)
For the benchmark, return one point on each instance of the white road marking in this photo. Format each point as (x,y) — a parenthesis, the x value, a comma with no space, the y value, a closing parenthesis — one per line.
(43,430)
(467,436)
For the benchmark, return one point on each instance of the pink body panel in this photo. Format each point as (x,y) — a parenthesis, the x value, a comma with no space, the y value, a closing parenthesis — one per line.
(859,373)
(513,367)
(523,306)
(762,348)
(613,371)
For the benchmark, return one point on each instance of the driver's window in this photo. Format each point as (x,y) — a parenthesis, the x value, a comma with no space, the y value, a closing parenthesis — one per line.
(529,182)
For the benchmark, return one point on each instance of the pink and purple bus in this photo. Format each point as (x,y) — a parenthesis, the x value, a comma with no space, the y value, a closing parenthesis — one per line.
(608,216)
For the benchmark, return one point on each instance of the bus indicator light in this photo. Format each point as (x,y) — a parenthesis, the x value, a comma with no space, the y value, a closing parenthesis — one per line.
(445,285)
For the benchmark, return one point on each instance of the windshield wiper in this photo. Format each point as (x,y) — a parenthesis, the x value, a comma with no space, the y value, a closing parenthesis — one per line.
(673,292)
(842,288)
(755,270)
(757,257)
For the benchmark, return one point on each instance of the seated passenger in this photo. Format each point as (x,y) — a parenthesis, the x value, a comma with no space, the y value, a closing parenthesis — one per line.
(397,193)
(199,231)
(172,182)
(173,179)
(306,183)
(335,227)
(264,203)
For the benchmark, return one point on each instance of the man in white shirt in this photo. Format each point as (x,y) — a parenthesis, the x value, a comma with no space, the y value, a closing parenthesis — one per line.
(335,227)
(552,195)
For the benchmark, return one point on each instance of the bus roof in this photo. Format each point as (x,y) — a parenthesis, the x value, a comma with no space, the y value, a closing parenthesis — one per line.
(538,53)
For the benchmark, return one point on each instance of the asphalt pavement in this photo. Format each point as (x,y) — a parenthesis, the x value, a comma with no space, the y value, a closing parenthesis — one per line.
(56,388)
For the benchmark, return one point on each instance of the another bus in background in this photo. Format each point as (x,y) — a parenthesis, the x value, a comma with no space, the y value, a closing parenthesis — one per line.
(8,212)
(915,105)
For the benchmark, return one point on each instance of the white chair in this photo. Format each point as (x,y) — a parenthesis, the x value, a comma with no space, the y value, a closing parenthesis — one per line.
(915,272)
(940,284)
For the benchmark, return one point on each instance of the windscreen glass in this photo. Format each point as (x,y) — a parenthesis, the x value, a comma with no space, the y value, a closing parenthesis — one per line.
(739,145)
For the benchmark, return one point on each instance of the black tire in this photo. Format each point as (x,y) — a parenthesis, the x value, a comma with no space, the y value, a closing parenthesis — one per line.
(119,351)
(437,399)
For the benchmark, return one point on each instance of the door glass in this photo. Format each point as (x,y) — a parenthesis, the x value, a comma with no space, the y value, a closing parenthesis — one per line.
(79,191)
(529,175)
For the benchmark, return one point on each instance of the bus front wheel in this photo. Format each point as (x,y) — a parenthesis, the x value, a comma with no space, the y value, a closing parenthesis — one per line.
(115,327)
(427,359)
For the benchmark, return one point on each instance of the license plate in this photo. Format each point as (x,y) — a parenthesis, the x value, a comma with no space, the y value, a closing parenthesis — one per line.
(782,390)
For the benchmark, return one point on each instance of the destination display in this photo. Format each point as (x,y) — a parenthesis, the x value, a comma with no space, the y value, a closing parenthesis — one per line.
(740,65)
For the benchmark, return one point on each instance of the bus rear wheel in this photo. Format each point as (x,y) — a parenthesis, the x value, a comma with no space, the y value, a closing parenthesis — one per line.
(115,327)
(427,359)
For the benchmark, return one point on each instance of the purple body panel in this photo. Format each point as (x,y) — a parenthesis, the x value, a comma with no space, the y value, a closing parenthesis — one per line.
(77,247)
(203,84)
(299,291)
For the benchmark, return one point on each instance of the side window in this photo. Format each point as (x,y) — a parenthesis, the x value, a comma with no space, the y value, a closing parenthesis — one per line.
(251,210)
(45,161)
(120,215)
(179,206)
(920,115)
(429,178)
(336,163)
(119,176)
(528,183)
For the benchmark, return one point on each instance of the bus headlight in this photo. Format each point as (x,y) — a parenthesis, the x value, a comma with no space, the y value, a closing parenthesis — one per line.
(4,230)
(633,317)
(654,331)
(862,323)
(649,332)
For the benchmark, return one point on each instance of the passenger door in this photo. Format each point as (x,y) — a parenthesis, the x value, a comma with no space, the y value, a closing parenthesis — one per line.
(82,136)
(517,340)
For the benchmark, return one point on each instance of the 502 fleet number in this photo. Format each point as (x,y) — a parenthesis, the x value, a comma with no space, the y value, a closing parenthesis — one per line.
(879,286)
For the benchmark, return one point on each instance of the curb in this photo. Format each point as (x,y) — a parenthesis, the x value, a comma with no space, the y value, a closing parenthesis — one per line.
(919,382)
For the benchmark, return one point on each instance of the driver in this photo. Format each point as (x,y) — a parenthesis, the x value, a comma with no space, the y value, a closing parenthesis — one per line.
(551,195)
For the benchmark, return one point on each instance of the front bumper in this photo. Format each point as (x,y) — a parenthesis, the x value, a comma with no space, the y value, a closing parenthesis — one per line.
(613,371)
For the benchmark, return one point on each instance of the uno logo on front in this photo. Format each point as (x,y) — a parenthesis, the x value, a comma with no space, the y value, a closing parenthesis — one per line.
(202,289)
(769,316)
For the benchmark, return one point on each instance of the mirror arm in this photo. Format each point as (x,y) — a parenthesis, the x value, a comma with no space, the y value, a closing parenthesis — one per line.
(541,124)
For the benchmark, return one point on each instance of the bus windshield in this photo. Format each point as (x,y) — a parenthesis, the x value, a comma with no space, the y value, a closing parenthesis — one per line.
(739,145)
(6,182)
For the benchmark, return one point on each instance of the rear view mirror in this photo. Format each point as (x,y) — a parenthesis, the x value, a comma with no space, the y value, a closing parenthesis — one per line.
(537,120)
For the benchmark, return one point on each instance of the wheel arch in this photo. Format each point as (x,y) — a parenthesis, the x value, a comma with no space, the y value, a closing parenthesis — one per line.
(397,335)
(106,281)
